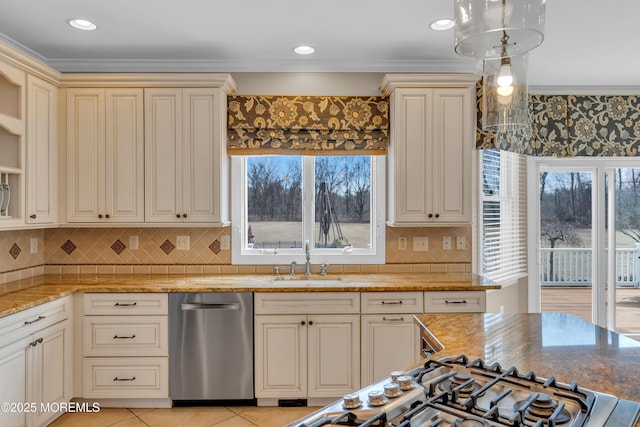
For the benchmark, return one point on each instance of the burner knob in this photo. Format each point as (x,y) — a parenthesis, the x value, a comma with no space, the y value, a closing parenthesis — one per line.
(376,398)
(392,390)
(351,401)
(406,383)
(395,375)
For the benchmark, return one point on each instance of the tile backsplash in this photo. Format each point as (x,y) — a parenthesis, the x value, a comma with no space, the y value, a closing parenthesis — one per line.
(156,251)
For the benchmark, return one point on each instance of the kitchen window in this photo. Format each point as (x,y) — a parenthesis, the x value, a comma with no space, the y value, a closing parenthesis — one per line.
(282,202)
(503,215)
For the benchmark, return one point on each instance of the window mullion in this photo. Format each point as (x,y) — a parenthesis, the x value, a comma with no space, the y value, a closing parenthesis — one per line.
(308,199)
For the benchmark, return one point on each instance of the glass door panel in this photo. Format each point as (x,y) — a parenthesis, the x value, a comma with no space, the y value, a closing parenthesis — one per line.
(566,254)
(626,305)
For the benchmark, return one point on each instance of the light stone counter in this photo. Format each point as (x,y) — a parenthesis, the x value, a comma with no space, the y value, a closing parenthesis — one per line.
(27,293)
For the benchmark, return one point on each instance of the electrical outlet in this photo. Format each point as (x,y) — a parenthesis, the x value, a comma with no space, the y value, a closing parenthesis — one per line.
(225,242)
(133,242)
(446,243)
(182,243)
(420,244)
(461,243)
(402,243)
(34,245)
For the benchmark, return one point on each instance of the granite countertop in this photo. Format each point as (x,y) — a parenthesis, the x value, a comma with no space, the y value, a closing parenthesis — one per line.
(27,293)
(557,344)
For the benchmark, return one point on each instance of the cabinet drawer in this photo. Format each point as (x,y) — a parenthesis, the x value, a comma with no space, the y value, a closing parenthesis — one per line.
(125,304)
(35,319)
(455,302)
(132,377)
(392,302)
(125,336)
(307,303)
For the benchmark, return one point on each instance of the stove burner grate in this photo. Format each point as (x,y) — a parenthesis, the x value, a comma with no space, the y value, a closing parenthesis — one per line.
(543,407)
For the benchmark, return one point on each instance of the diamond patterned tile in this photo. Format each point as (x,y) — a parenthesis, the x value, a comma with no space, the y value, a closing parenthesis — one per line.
(68,247)
(167,247)
(15,251)
(215,247)
(118,247)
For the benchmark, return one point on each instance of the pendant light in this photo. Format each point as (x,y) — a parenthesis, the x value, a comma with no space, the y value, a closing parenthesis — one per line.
(505,93)
(501,33)
(498,28)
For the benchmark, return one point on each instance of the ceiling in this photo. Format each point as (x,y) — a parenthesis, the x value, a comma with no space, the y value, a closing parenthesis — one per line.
(587,42)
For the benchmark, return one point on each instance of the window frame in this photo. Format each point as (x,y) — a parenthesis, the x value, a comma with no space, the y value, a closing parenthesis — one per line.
(241,255)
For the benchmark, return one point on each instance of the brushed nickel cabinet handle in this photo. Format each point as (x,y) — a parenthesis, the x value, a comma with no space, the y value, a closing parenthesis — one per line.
(391,302)
(393,319)
(455,301)
(124,379)
(123,304)
(117,337)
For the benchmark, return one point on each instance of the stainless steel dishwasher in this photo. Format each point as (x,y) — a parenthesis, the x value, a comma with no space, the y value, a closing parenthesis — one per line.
(211,346)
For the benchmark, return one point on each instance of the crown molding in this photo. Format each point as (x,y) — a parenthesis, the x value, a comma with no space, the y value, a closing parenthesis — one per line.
(24,58)
(394,81)
(224,81)
(584,90)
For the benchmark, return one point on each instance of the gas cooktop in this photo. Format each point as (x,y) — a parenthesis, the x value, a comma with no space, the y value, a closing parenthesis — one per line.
(457,391)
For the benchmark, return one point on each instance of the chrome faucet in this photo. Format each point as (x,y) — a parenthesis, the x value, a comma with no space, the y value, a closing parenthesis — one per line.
(307,264)
(292,270)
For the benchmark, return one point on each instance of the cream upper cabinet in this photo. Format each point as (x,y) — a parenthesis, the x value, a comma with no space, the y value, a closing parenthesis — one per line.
(105,155)
(431,150)
(42,169)
(186,160)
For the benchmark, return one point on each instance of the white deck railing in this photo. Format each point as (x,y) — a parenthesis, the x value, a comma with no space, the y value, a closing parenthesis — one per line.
(572,267)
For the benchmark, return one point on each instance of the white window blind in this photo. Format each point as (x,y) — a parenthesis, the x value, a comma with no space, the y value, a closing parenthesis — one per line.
(503,226)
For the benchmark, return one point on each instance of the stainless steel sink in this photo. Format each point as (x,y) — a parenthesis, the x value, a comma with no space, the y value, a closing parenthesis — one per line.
(304,281)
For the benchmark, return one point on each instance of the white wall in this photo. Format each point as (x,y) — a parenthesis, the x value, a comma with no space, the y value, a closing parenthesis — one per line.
(318,84)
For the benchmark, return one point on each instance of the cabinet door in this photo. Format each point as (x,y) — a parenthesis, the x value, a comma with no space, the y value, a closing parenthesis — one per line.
(281,356)
(50,368)
(412,155)
(85,155)
(389,343)
(200,193)
(42,177)
(13,362)
(124,155)
(334,355)
(452,147)
(163,155)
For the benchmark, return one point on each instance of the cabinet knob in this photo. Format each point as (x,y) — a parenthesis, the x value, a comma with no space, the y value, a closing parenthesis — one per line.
(177,215)
(430,215)
(310,322)
(303,322)
(107,216)
(184,215)
(437,215)
(100,216)
(32,216)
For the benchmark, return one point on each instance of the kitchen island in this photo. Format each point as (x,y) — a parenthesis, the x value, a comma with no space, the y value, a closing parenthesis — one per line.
(557,344)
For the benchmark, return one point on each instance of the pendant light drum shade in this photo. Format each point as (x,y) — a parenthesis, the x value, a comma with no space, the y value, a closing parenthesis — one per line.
(505,94)
(498,28)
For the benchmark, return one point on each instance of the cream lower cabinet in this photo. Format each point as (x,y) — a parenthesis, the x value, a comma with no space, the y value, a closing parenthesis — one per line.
(126,346)
(390,337)
(455,302)
(430,158)
(303,351)
(36,364)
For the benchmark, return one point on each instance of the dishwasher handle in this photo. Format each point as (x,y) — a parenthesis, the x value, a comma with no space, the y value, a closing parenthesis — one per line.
(210,306)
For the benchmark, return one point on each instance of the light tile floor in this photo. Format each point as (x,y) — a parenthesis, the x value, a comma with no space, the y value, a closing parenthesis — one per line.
(236,416)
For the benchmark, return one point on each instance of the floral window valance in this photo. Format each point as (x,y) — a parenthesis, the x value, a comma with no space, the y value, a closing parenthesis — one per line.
(571,126)
(323,125)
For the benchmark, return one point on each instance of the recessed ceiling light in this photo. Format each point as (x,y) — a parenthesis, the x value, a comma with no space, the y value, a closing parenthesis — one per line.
(82,24)
(442,24)
(304,50)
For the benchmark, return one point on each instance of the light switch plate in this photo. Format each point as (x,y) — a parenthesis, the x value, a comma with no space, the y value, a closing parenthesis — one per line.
(446,243)
(182,243)
(461,243)
(225,242)
(420,244)
(402,243)
(133,242)
(34,245)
